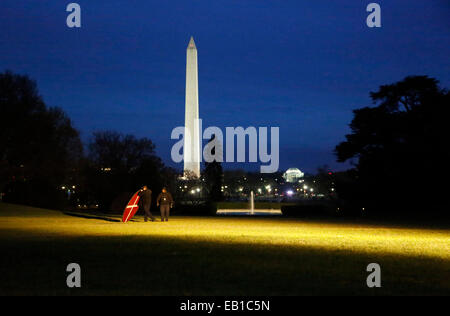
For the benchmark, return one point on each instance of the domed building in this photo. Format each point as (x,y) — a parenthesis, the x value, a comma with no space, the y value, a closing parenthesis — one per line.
(293,175)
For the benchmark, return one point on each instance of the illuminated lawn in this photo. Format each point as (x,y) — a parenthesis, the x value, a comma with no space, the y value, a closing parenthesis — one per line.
(216,256)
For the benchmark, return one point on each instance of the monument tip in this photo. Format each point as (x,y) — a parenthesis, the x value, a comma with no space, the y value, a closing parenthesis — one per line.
(191,43)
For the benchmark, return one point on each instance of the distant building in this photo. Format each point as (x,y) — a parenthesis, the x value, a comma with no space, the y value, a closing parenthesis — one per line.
(293,175)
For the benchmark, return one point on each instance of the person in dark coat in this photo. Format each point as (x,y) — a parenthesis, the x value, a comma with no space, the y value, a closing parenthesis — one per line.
(145,201)
(165,203)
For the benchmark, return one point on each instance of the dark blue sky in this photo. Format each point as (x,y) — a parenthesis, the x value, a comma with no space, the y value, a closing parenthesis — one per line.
(299,65)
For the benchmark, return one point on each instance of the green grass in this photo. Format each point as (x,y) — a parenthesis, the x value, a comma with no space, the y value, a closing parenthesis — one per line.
(216,256)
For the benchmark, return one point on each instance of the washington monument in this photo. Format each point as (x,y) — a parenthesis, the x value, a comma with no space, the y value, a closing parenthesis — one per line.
(191,138)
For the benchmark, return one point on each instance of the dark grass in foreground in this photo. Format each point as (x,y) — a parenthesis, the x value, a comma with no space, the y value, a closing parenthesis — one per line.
(216,256)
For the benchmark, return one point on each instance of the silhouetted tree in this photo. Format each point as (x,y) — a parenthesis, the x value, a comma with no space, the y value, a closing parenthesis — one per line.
(122,164)
(39,148)
(324,181)
(401,146)
(213,175)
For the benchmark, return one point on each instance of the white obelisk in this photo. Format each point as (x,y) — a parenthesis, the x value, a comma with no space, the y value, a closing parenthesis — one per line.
(191,139)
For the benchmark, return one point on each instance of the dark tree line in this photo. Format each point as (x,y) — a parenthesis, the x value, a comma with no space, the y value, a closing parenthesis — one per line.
(401,149)
(38,145)
(42,161)
(120,164)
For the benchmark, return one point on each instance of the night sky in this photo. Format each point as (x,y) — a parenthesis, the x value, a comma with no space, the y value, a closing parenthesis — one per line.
(299,65)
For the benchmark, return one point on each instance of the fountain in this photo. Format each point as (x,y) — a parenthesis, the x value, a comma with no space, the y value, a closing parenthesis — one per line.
(250,211)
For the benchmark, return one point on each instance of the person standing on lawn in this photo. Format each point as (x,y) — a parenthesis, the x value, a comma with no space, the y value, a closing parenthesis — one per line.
(146,199)
(165,203)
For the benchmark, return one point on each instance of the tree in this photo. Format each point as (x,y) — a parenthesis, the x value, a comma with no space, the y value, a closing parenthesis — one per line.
(400,145)
(38,145)
(324,181)
(122,164)
(213,175)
